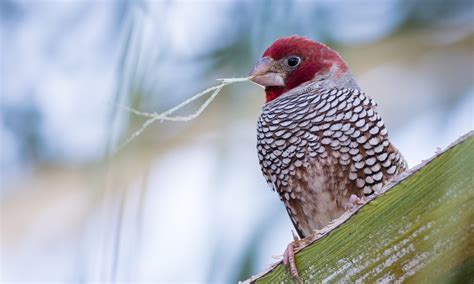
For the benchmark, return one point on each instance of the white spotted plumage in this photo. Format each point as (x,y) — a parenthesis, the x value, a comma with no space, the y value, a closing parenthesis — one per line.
(317,146)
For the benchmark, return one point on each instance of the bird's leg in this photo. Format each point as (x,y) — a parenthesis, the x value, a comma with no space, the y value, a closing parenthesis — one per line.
(289,258)
(353,201)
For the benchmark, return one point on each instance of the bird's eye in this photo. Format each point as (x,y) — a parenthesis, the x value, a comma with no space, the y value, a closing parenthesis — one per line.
(293,61)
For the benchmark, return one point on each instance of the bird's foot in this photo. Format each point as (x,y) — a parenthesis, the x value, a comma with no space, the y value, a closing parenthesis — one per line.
(289,258)
(353,201)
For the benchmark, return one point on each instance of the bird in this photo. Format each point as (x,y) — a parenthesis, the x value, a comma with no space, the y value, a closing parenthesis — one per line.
(322,145)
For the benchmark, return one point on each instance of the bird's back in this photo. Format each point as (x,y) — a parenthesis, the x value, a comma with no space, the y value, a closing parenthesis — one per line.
(319,146)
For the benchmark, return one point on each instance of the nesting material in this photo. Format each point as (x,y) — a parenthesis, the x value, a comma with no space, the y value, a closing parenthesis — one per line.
(167,115)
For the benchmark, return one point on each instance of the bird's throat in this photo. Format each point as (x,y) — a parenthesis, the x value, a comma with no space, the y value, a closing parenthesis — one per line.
(272,93)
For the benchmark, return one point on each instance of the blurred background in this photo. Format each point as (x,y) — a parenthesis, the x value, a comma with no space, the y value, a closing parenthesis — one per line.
(186,202)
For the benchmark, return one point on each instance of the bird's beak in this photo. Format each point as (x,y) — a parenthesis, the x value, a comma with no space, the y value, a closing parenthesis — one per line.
(263,73)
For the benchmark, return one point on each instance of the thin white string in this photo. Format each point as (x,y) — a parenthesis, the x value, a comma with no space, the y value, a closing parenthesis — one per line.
(153,117)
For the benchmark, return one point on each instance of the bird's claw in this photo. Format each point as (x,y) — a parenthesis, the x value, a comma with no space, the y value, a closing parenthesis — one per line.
(289,262)
(289,259)
(353,201)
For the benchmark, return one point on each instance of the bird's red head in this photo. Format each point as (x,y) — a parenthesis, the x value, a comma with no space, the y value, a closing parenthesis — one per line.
(291,61)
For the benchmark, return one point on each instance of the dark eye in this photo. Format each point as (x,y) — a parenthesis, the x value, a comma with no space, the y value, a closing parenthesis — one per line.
(293,61)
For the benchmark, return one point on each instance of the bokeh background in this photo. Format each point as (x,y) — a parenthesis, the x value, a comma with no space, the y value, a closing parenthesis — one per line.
(186,202)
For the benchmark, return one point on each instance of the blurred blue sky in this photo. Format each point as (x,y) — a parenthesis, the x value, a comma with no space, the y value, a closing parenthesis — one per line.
(186,201)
